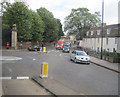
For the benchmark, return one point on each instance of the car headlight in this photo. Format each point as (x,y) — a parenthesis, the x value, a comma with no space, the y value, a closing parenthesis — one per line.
(77,58)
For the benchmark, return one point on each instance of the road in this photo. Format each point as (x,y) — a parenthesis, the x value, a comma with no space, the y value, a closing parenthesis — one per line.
(87,79)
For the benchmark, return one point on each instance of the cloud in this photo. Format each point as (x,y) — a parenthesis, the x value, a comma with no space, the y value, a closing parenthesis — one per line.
(62,8)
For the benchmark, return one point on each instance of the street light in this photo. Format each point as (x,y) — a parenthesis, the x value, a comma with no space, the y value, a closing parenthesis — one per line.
(102,28)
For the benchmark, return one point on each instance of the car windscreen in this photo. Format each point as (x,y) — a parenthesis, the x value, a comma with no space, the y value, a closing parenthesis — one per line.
(60,44)
(35,47)
(66,47)
(81,53)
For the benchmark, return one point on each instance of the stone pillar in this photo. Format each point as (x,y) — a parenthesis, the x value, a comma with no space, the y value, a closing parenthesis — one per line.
(14,37)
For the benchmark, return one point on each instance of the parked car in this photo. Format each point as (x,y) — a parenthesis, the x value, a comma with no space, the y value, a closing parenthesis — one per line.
(79,56)
(34,48)
(67,44)
(66,49)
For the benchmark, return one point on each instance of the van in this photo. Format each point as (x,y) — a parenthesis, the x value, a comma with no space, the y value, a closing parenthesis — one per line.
(60,45)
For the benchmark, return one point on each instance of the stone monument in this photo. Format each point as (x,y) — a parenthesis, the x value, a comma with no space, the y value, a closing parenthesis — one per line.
(14,37)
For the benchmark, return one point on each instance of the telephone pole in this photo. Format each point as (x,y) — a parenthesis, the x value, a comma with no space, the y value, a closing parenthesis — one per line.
(102,29)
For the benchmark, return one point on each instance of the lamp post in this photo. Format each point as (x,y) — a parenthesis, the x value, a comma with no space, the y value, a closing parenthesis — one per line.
(102,28)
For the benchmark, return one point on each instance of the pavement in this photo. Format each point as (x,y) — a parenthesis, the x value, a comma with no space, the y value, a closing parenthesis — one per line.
(55,87)
(22,87)
(111,66)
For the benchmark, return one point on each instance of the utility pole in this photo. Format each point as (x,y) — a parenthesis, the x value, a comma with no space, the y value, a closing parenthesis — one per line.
(102,28)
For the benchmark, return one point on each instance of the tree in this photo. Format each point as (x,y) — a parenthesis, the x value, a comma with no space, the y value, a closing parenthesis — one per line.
(36,25)
(17,13)
(60,32)
(80,20)
(30,27)
(51,26)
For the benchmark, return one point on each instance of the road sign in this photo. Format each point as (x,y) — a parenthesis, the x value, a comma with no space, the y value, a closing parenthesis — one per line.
(44,70)
(44,49)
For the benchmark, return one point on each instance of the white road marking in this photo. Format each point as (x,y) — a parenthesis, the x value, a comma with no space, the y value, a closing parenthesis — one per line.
(10,58)
(23,77)
(34,59)
(60,55)
(5,78)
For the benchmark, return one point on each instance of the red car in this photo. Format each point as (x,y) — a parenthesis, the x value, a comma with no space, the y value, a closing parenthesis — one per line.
(60,45)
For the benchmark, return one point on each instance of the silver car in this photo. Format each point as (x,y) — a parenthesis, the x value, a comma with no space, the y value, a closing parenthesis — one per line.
(79,56)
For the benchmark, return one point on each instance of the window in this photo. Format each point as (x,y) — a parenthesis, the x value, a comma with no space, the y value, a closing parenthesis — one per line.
(98,32)
(98,40)
(92,32)
(116,40)
(107,41)
(97,49)
(87,33)
(108,30)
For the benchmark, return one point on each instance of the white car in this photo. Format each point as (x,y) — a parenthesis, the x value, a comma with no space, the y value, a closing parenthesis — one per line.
(79,56)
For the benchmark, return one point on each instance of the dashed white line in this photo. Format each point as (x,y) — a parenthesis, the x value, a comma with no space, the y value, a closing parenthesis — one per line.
(5,78)
(10,58)
(23,77)
(34,59)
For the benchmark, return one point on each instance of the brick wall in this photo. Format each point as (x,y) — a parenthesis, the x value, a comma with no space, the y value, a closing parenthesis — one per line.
(25,45)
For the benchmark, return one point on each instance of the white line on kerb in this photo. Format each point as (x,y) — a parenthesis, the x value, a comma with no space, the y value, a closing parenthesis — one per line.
(23,77)
(5,77)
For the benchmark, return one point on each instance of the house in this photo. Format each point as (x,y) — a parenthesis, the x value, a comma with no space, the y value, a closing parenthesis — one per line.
(64,38)
(72,38)
(110,36)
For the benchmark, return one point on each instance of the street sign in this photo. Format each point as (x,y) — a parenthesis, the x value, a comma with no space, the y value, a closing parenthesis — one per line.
(44,70)
(44,49)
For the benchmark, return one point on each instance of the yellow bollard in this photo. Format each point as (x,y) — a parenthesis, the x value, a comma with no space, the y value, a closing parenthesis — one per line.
(41,49)
(44,49)
(44,70)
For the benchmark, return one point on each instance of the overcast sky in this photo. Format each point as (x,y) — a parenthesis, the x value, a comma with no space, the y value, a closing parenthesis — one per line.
(62,8)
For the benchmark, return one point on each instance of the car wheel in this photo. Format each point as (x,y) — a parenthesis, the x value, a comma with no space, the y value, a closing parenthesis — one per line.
(88,63)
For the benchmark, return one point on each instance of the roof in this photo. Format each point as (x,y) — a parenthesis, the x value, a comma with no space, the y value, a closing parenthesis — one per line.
(106,27)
